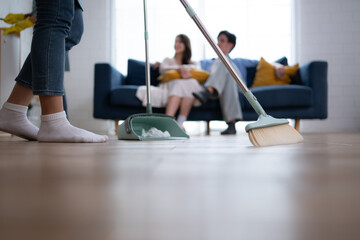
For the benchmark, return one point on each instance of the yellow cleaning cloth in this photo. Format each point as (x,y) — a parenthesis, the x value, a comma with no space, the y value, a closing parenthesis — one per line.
(12,18)
(18,27)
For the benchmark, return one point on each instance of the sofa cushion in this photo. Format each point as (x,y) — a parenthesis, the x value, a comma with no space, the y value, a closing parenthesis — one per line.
(250,76)
(206,64)
(125,96)
(251,70)
(297,79)
(282,61)
(136,73)
(281,96)
(265,74)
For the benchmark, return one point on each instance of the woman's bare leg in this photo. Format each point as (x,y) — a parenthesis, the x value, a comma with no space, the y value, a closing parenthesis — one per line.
(172,105)
(51,104)
(185,106)
(20,95)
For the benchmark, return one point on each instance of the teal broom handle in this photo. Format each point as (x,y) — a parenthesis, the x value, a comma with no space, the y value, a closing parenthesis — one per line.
(249,96)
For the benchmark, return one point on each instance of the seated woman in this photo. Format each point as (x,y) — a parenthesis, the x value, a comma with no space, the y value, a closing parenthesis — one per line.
(180,91)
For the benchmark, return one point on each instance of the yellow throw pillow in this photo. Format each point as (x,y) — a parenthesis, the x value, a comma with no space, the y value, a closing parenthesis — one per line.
(265,74)
(200,75)
(169,75)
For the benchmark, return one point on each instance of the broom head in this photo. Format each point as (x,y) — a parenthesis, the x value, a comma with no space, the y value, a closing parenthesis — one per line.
(267,131)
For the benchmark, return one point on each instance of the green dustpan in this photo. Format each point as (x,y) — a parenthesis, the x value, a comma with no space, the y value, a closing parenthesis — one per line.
(134,126)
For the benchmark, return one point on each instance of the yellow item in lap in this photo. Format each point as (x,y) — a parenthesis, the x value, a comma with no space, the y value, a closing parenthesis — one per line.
(200,75)
(13,18)
(18,27)
(265,74)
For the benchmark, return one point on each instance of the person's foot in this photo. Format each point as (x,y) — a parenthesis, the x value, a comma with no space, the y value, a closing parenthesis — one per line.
(56,128)
(13,120)
(231,130)
(203,96)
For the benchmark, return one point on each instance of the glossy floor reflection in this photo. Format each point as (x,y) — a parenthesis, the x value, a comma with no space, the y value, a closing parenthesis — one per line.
(208,187)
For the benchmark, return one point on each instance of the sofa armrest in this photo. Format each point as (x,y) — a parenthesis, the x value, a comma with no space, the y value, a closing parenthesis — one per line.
(106,78)
(314,75)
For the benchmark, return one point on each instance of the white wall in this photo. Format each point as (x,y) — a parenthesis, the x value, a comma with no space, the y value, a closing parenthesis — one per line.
(94,47)
(330,30)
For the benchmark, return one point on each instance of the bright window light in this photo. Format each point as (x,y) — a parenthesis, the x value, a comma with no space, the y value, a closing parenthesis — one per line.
(263,28)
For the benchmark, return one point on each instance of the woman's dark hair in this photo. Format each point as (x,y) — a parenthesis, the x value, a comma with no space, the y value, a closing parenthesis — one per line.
(187,53)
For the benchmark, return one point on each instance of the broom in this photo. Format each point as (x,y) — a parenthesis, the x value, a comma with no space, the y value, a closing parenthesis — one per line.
(266,130)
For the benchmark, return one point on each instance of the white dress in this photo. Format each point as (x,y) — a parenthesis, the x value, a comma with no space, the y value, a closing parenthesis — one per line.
(177,87)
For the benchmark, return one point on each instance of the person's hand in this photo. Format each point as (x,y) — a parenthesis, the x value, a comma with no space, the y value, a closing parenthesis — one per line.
(155,66)
(32,18)
(185,72)
(279,71)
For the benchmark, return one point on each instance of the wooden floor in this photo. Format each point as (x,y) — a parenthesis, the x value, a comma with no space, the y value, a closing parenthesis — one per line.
(206,188)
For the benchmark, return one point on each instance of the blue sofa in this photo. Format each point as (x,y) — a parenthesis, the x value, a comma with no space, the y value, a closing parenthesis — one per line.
(114,93)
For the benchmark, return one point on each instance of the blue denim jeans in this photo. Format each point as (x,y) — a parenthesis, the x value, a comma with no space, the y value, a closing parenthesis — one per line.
(59,27)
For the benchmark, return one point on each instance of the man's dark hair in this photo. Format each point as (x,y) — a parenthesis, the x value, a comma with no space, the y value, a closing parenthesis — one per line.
(231,37)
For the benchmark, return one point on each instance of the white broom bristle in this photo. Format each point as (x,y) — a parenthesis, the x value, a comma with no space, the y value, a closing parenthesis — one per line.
(274,135)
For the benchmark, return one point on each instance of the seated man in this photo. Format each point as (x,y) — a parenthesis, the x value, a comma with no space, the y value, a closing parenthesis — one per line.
(221,84)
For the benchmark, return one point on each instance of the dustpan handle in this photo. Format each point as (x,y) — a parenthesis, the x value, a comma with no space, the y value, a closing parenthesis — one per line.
(248,94)
(147,64)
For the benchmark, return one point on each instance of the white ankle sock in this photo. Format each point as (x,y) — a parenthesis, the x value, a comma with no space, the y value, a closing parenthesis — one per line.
(181,119)
(56,128)
(13,120)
